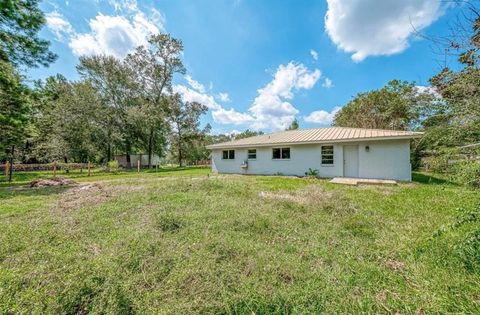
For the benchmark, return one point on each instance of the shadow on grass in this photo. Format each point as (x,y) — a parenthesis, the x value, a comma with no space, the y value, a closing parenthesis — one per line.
(174,169)
(430,179)
(25,190)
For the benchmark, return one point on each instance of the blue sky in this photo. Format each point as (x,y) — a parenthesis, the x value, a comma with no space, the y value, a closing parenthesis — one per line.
(258,64)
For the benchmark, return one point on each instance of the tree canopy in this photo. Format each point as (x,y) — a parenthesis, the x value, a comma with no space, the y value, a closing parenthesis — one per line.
(397,106)
(20,22)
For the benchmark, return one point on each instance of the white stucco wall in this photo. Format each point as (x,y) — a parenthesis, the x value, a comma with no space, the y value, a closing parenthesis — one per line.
(386,159)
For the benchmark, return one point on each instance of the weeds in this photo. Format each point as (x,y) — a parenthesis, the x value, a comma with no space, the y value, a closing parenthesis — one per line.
(237,245)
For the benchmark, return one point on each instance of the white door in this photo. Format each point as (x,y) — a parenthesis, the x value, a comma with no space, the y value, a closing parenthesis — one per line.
(350,160)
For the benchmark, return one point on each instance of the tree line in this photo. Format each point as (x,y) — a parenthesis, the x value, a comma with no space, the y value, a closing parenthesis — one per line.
(124,106)
(119,106)
(448,111)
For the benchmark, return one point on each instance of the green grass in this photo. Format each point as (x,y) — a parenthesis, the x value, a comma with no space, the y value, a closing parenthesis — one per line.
(22,178)
(180,241)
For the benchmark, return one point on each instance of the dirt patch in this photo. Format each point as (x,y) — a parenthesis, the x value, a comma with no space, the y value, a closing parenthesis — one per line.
(54,181)
(395,265)
(313,196)
(308,195)
(83,195)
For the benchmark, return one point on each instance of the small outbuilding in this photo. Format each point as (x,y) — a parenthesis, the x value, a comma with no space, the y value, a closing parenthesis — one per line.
(328,152)
(135,159)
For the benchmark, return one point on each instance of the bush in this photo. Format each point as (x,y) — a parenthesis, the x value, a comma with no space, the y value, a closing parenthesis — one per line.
(112,166)
(437,164)
(312,172)
(467,172)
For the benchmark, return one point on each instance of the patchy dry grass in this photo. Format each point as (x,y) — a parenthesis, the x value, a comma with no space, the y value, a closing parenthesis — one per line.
(238,244)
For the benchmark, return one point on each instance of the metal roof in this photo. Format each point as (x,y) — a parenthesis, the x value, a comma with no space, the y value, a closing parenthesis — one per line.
(317,135)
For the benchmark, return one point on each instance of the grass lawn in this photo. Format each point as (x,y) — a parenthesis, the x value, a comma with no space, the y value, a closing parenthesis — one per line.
(179,241)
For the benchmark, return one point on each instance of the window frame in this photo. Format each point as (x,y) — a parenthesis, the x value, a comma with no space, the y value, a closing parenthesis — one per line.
(326,155)
(248,154)
(281,154)
(229,154)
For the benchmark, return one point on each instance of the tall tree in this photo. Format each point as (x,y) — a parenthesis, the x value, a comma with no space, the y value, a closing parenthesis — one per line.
(14,109)
(115,83)
(20,22)
(68,121)
(184,118)
(395,106)
(153,68)
(457,120)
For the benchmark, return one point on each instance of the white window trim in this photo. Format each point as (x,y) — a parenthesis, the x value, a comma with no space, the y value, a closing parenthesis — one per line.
(228,159)
(333,155)
(251,159)
(281,148)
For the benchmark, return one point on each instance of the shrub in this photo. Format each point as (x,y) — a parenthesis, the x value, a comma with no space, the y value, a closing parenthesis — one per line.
(112,166)
(467,172)
(312,172)
(437,163)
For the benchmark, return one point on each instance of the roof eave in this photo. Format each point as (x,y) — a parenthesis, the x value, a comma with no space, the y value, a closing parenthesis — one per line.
(225,146)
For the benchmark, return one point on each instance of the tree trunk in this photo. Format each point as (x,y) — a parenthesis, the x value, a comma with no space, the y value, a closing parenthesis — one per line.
(150,148)
(109,144)
(180,157)
(11,164)
(180,140)
(127,155)
(65,160)
(109,151)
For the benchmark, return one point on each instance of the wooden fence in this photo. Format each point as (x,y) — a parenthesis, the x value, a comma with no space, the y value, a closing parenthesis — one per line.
(202,162)
(45,167)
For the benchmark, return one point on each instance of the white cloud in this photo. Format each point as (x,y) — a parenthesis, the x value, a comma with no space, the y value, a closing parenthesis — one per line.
(121,5)
(314,54)
(224,97)
(327,83)
(111,35)
(373,28)
(191,95)
(231,116)
(197,93)
(195,84)
(422,89)
(57,24)
(271,108)
(322,117)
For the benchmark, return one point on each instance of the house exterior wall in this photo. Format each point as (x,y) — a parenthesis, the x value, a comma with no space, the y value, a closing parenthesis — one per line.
(386,159)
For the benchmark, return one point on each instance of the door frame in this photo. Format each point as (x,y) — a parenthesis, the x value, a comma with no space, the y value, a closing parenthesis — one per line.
(345,160)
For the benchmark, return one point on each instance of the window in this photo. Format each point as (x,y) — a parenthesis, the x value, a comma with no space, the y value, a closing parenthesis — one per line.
(327,154)
(252,154)
(281,153)
(228,154)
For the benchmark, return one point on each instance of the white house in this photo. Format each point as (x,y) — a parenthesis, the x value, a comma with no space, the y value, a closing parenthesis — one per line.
(334,152)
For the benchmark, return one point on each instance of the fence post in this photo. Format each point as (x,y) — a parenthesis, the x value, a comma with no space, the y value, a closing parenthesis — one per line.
(55,169)
(89,168)
(138,165)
